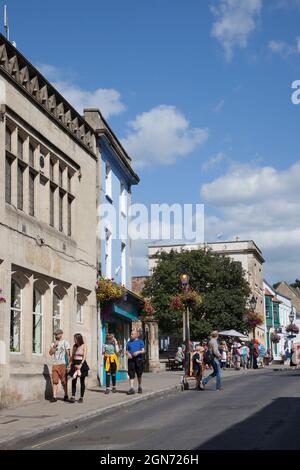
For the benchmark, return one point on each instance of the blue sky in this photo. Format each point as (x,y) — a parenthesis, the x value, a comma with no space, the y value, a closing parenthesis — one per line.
(200,94)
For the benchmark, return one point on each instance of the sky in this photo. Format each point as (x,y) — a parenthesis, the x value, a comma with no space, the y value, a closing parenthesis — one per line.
(199,93)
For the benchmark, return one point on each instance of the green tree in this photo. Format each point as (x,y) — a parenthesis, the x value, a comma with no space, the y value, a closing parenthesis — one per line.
(218,279)
(296,283)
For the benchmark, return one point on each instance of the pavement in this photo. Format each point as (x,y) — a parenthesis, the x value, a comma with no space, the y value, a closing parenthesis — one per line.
(30,420)
(257,411)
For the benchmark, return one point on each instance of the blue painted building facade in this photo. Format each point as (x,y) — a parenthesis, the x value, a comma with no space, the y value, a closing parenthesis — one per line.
(115,181)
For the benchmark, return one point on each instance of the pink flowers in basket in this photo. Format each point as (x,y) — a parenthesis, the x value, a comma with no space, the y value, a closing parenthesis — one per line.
(190,299)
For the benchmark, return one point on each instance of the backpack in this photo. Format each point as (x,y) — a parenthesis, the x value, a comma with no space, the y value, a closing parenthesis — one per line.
(208,357)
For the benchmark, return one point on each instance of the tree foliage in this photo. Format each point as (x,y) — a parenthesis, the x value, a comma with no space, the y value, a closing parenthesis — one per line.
(296,283)
(218,279)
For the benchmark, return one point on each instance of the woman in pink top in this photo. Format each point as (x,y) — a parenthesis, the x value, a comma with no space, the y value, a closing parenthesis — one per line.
(78,367)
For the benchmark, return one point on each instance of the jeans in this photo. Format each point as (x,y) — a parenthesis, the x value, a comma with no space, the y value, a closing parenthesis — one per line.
(216,373)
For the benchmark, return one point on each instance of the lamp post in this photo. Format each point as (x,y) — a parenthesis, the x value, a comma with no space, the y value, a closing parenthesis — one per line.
(185,279)
(253,303)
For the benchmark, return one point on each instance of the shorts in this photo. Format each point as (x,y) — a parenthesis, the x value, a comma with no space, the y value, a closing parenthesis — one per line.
(135,367)
(59,373)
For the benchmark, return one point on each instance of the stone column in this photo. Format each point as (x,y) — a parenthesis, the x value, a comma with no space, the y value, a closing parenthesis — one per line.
(153,344)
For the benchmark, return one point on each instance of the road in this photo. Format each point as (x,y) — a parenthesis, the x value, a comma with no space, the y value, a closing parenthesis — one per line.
(253,412)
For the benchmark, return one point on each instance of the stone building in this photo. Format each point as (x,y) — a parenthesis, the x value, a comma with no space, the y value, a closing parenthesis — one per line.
(117,180)
(48,220)
(245,252)
(293,293)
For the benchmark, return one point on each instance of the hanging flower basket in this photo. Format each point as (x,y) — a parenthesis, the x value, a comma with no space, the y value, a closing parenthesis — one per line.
(253,319)
(148,311)
(2,299)
(189,299)
(108,291)
(275,338)
(292,328)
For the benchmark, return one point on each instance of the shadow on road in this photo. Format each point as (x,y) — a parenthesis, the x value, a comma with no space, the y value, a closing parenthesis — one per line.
(274,427)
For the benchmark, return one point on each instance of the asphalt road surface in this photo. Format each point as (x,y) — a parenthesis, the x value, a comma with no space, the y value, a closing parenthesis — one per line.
(254,411)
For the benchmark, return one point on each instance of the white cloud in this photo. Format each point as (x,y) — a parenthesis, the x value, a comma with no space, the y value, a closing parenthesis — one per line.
(235,20)
(162,135)
(219,106)
(213,161)
(283,48)
(263,204)
(107,100)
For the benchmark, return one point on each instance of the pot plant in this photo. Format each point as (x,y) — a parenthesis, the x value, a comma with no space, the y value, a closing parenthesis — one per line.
(108,291)
(148,311)
(275,338)
(252,320)
(292,328)
(189,299)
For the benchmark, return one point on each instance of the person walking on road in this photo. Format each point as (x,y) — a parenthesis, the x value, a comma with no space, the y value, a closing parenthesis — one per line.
(135,351)
(60,352)
(236,355)
(244,353)
(213,348)
(110,353)
(198,365)
(78,367)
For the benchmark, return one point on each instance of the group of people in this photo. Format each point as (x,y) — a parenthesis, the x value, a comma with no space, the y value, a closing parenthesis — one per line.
(218,355)
(72,363)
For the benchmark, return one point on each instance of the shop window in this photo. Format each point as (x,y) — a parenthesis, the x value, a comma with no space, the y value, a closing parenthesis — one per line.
(108,189)
(69,216)
(15,317)
(37,332)
(8,180)
(60,210)
(31,193)
(123,263)
(122,199)
(20,187)
(8,135)
(52,192)
(57,312)
(79,313)
(108,248)
(31,155)
(20,147)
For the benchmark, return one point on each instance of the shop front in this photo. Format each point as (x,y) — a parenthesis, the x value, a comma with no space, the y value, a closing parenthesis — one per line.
(117,318)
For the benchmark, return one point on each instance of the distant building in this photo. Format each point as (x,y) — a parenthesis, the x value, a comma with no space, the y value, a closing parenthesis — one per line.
(277,311)
(246,252)
(291,292)
(116,179)
(48,220)
(138,284)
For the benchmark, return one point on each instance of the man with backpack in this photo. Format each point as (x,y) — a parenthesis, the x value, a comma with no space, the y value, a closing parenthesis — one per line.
(212,357)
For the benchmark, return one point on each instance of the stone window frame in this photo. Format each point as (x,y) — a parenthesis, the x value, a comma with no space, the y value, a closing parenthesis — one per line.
(26,169)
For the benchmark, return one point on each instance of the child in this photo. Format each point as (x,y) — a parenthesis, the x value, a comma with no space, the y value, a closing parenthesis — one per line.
(110,353)
(223,352)
(197,365)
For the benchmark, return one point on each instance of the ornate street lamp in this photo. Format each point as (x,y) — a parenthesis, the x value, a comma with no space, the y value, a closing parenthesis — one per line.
(253,303)
(185,279)
(292,316)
